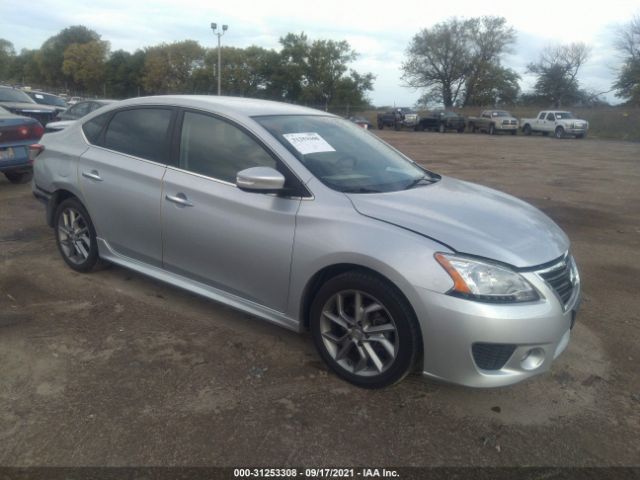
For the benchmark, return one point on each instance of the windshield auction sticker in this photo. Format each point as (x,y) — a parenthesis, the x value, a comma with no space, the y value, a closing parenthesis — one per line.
(309,142)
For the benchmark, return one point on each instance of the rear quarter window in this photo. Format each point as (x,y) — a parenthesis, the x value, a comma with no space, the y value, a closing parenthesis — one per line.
(93,128)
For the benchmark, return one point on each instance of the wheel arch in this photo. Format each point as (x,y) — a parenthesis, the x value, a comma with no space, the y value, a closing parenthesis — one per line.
(56,199)
(330,271)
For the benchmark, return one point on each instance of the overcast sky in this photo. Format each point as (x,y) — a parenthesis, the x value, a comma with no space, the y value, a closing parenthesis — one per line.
(378,31)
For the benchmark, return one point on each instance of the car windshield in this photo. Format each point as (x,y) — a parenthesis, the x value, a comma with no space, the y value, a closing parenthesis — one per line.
(343,156)
(563,115)
(47,99)
(13,95)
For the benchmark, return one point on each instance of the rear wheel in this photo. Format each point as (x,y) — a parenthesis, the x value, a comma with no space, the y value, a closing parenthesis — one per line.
(461,129)
(526,129)
(559,133)
(75,236)
(364,330)
(492,129)
(380,126)
(19,177)
(442,128)
(473,128)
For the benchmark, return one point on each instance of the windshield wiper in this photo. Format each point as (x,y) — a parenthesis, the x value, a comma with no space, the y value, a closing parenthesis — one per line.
(361,190)
(416,181)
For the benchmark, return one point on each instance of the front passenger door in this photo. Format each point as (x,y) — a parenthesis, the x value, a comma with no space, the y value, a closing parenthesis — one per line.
(217,234)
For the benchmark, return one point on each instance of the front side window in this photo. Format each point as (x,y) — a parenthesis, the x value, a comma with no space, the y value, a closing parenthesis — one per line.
(212,147)
(541,117)
(343,156)
(141,132)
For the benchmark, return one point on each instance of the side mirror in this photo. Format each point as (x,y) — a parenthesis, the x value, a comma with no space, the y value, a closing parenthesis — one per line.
(260,179)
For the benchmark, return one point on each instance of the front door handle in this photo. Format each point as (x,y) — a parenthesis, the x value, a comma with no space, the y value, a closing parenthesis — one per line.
(179,199)
(93,175)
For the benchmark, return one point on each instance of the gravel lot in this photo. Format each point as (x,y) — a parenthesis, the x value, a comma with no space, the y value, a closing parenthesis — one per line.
(113,368)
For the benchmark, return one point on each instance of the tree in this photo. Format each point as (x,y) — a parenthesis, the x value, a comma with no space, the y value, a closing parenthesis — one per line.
(7,57)
(124,74)
(25,68)
(316,73)
(50,57)
(456,61)
(168,67)
(557,71)
(627,85)
(85,64)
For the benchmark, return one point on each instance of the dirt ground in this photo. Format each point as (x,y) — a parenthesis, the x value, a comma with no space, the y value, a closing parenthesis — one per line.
(113,368)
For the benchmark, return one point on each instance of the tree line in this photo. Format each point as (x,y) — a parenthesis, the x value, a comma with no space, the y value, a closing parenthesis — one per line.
(458,62)
(303,71)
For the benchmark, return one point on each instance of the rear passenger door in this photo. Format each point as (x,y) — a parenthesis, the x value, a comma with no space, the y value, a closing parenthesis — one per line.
(217,234)
(121,179)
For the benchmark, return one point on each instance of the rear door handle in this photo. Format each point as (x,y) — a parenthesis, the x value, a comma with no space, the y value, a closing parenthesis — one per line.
(179,199)
(93,175)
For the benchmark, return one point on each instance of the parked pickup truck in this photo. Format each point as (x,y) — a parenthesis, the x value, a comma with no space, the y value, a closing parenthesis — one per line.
(441,121)
(494,121)
(398,118)
(558,122)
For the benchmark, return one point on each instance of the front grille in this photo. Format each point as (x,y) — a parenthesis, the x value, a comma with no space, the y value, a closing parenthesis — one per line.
(559,277)
(491,356)
(514,122)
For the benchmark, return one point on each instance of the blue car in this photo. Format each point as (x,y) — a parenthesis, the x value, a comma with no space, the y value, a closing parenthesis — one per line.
(18,136)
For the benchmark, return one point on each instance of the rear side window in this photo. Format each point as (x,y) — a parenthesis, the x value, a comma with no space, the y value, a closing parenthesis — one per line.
(93,128)
(551,117)
(212,147)
(141,132)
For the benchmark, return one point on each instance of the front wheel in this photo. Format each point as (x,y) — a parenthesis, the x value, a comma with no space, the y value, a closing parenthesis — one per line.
(76,236)
(559,133)
(364,330)
(19,177)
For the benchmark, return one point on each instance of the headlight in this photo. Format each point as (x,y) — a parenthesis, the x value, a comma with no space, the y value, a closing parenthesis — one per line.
(484,281)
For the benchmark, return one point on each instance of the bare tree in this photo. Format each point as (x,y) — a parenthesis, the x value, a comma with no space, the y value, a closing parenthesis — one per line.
(557,71)
(628,43)
(457,61)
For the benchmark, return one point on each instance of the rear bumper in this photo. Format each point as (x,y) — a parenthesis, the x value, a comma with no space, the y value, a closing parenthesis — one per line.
(532,335)
(20,162)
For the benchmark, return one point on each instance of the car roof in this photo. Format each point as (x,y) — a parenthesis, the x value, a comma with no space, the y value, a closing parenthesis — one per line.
(248,107)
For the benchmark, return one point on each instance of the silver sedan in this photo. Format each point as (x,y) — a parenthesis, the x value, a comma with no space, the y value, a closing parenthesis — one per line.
(308,221)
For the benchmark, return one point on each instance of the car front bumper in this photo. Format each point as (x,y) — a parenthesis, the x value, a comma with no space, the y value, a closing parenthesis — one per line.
(506,127)
(533,333)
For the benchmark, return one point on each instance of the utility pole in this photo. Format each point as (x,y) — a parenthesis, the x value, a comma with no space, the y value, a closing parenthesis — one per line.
(214,28)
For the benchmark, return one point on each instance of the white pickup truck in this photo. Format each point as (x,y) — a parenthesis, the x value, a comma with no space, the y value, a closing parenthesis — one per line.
(560,123)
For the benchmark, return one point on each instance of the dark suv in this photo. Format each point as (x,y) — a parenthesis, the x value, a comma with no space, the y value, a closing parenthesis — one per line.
(44,98)
(18,102)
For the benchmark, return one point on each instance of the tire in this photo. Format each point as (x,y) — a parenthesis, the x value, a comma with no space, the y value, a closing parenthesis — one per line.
(492,129)
(396,126)
(346,346)
(442,128)
(380,126)
(580,135)
(526,129)
(559,132)
(461,130)
(19,177)
(76,236)
(513,132)
(473,128)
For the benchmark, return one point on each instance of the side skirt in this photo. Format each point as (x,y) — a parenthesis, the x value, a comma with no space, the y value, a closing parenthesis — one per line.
(266,313)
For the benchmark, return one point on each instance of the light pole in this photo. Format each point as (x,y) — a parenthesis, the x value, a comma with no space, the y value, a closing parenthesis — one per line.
(214,27)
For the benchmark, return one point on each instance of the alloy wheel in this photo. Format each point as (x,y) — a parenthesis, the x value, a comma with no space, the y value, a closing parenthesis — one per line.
(359,333)
(74,236)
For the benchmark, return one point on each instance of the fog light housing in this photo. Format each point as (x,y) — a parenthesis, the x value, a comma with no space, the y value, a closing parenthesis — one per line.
(532,359)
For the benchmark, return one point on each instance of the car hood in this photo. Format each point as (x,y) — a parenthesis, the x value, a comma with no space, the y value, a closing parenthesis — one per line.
(470,219)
